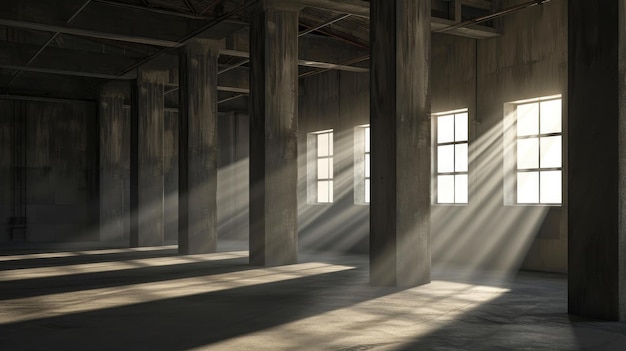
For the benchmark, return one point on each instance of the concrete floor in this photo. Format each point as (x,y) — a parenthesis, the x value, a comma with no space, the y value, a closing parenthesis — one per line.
(152,299)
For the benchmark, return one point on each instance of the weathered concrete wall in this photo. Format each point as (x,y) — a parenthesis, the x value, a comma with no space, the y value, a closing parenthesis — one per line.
(7,131)
(61,170)
(233,177)
(339,101)
(528,61)
(170,176)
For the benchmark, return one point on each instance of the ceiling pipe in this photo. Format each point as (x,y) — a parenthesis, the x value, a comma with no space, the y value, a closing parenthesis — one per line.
(44,46)
(191,35)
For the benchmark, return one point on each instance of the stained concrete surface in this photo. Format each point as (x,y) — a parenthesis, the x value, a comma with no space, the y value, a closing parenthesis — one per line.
(153,299)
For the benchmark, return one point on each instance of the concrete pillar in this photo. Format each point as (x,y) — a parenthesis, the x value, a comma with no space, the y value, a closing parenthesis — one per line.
(111,126)
(197,214)
(273,134)
(400,143)
(597,159)
(147,159)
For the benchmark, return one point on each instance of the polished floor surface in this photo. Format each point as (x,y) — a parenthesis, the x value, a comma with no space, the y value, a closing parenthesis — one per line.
(152,299)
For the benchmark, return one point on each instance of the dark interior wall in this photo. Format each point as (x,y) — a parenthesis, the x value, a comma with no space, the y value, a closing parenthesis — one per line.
(49,171)
(7,151)
(170,176)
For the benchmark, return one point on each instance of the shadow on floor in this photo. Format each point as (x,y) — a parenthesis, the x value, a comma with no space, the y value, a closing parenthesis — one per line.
(24,263)
(194,321)
(13,289)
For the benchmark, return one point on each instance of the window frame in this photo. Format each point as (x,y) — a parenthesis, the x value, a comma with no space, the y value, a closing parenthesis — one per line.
(313,159)
(361,153)
(512,139)
(435,157)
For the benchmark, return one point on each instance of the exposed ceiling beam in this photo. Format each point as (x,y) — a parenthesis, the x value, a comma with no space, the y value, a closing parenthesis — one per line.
(352,7)
(305,63)
(100,19)
(44,46)
(64,72)
(362,9)
(87,33)
(152,9)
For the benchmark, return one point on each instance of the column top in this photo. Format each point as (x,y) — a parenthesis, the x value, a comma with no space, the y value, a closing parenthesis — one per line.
(114,89)
(285,5)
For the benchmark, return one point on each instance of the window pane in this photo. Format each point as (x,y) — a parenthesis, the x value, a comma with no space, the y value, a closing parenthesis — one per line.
(331,146)
(322,191)
(528,187)
(551,187)
(331,194)
(528,119)
(367,190)
(445,158)
(460,189)
(528,153)
(323,168)
(445,189)
(322,145)
(445,129)
(550,116)
(460,128)
(460,158)
(367,165)
(367,139)
(550,152)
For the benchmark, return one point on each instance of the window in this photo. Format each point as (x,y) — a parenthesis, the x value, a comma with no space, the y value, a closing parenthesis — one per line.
(362,164)
(538,151)
(451,157)
(320,159)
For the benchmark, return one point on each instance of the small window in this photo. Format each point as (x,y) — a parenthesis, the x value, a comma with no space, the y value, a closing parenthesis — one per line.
(320,159)
(535,156)
(362,164)
(451,157)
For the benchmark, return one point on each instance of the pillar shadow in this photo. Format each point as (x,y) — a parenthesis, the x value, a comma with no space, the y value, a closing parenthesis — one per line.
(13,289)
(196,321)
(24,263)
(531,316)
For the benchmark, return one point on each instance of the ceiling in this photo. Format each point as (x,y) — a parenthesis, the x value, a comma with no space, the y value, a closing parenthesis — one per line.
(70,48)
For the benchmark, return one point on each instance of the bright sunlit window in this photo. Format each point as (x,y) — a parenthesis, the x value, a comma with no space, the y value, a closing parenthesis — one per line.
(451,157)
(321,166)
(538,151)
(362,162)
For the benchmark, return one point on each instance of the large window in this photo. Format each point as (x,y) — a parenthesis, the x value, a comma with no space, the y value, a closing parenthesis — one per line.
(451,157)
(321,167)
(362,163)
(538,151)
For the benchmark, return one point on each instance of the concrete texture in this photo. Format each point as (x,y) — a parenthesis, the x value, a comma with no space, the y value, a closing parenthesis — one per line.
(49,171)
(528,60)
(400,142)
(147,173)
(597,183)
(152,299)
(273,134)
(197,221)
(111,118)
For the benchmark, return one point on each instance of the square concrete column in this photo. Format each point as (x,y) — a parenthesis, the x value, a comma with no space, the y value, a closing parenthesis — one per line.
(273,134)
(596,155)
(400,142)
(111,126)
(147,187)
(197,212)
